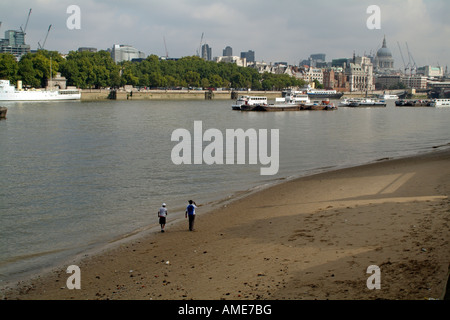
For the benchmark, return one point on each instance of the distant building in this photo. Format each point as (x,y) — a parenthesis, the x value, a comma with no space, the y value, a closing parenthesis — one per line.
(315,60)
(249,55)
(311,74)
(14,43)
(342,63)
(122,52)
(319,57)
(360,74)
(241,62)
(415,82)
(383,61)
(206,52)
(87,49)
(431,72)
(262,67)
(228,52)
(387,81)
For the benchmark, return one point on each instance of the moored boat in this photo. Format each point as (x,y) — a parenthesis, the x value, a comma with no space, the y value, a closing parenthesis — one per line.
(10,93)
(412,103)
(322,93)
(440,103)
(247,103)
(389,97)
(316,105)
(366,102)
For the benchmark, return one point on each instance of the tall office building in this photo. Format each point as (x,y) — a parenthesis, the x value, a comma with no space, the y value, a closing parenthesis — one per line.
(318,57)
(228,52)
(249,55)
(14,43)
(206,52)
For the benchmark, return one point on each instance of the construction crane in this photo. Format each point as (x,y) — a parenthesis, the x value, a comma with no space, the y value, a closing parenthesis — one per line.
(24,30)
(413,66)
(45,40)
(401,53)
(200,47)
(165,46)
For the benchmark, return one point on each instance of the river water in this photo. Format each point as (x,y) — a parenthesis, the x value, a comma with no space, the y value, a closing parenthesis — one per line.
(77,175)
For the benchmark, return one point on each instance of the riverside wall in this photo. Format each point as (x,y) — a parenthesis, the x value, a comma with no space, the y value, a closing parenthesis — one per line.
(104,94)
(99,95)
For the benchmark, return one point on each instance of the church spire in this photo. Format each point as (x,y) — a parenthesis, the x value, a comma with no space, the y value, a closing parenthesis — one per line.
(384,42)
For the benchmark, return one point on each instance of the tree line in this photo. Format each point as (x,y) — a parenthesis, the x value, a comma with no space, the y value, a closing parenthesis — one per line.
(98,70)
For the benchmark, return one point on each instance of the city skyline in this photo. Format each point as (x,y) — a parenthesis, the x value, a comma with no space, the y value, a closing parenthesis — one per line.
(283,31)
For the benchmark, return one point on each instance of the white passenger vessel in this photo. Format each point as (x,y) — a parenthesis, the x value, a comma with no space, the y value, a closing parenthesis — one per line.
(389,97)
(440,103)
(245,103)
(10,93)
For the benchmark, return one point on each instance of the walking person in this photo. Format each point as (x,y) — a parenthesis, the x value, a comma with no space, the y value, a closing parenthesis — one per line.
(190,212)
(162,214)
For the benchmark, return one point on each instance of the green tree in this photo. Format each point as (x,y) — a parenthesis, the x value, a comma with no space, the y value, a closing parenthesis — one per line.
(8,67)
(91,70)
(34,68)
(317,84)
(192,78)
(216,81)
(129,79)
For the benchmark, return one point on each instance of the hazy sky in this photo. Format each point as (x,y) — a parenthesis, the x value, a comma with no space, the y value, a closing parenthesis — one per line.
(284,30)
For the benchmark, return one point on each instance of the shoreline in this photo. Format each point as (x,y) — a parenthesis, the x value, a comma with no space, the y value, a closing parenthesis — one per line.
(178,95)
(141,232)
(42,285)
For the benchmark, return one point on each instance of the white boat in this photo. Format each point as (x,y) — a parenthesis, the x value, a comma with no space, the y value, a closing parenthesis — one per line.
(10,93)
(440,103)
(322,93)
(363,102)
(293,97)
(389,97)
(246,103)
(346,102)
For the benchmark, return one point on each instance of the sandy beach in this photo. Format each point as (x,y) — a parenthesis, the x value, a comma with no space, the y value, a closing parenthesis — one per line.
(304,239)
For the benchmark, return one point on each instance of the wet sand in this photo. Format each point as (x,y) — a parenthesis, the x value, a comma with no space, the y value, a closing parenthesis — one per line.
(305,239)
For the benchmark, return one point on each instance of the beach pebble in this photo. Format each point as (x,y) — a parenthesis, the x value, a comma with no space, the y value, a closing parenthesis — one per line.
(167,262)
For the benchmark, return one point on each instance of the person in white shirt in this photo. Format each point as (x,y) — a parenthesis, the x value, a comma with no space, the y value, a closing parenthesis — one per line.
(162,214)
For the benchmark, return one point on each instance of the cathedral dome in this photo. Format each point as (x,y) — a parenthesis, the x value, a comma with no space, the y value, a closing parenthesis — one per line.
(384,61)
(384,51)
